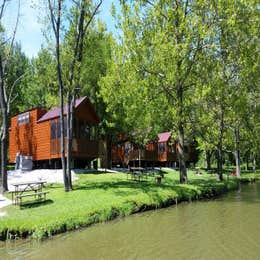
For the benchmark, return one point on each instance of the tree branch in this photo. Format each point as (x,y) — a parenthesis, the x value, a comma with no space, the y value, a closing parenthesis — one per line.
(92,16)
(153,5)
(13,36)
(2,8)
(10,99)
(53,19)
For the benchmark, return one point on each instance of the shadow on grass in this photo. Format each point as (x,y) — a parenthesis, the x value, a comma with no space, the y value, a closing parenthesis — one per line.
(35,204)
(91,172)
(203,182)
(131,187)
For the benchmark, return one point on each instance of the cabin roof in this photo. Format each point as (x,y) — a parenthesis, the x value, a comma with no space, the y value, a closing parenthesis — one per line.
(29,110)
(55,111)
(164,137)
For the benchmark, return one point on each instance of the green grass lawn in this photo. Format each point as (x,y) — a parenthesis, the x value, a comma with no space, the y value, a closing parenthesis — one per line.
(101,197)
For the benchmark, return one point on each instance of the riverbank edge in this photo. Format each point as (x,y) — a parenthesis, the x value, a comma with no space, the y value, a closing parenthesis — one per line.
(200,192)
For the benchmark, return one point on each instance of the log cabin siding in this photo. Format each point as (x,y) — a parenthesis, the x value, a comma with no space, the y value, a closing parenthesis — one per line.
(24,138)
(43,151)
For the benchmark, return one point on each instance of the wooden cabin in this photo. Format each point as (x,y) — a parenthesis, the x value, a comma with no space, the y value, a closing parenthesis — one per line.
(118,154)
(166,149)
(36,133)
(162,152)
(145,156)
(126,153)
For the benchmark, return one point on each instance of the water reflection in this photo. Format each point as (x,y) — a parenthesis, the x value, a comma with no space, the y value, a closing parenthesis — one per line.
(225,228)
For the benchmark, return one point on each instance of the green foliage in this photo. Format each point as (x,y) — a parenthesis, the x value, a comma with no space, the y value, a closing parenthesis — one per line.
(226,92)
(17,70)
(151,64)
(41,89)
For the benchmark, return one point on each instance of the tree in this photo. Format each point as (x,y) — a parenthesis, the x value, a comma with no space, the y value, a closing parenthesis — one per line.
(83,13)
(40,72)
(55,16)
(17,70)
(162,44)
(6,47)
(98,45)
(224,92)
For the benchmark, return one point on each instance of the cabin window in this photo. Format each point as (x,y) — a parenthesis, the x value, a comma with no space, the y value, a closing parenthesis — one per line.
(53,129)
(56,128)
(23,118)
(87,131)
(81,128)
(136,146)
(162,147)
(65,128)
(127,147)
(75,127)
(84,130)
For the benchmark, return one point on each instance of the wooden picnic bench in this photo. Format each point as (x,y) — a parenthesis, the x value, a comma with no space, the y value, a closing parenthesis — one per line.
(37,195)
(22,187)
(137,173)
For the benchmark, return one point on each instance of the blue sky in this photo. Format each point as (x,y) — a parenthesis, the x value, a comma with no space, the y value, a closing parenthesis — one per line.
(29,32)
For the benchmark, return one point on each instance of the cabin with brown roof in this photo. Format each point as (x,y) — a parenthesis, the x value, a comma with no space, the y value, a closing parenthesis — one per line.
(146,155)
(166,149)
(126,153)
(162,152)
(36,133)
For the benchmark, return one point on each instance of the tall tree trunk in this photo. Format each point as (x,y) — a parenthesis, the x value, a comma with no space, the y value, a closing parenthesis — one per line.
(220,149)
(109,151)
(208,154)
(182,165)
(61,90)
(70,131)
(220,161)
(62,143)
(4,186)
(254,162)
(56,28)
(69,141)
(139,156)
(237,151)
(4,130)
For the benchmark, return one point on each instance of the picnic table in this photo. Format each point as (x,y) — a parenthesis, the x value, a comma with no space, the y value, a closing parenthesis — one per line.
(22,187)
(137,173)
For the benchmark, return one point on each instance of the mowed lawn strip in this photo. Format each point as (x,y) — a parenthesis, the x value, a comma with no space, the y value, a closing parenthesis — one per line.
(102,197)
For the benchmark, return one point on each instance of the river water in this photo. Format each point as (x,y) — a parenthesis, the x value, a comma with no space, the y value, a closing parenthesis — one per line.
(225,228)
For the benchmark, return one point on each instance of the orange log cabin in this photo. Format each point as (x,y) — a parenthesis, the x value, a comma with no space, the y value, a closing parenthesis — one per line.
(36,133)
(162,152)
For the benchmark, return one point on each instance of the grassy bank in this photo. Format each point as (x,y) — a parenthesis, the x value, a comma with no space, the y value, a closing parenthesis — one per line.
(102,197)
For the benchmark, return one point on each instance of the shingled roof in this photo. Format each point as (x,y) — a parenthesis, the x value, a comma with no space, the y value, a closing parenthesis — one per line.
(55,111)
